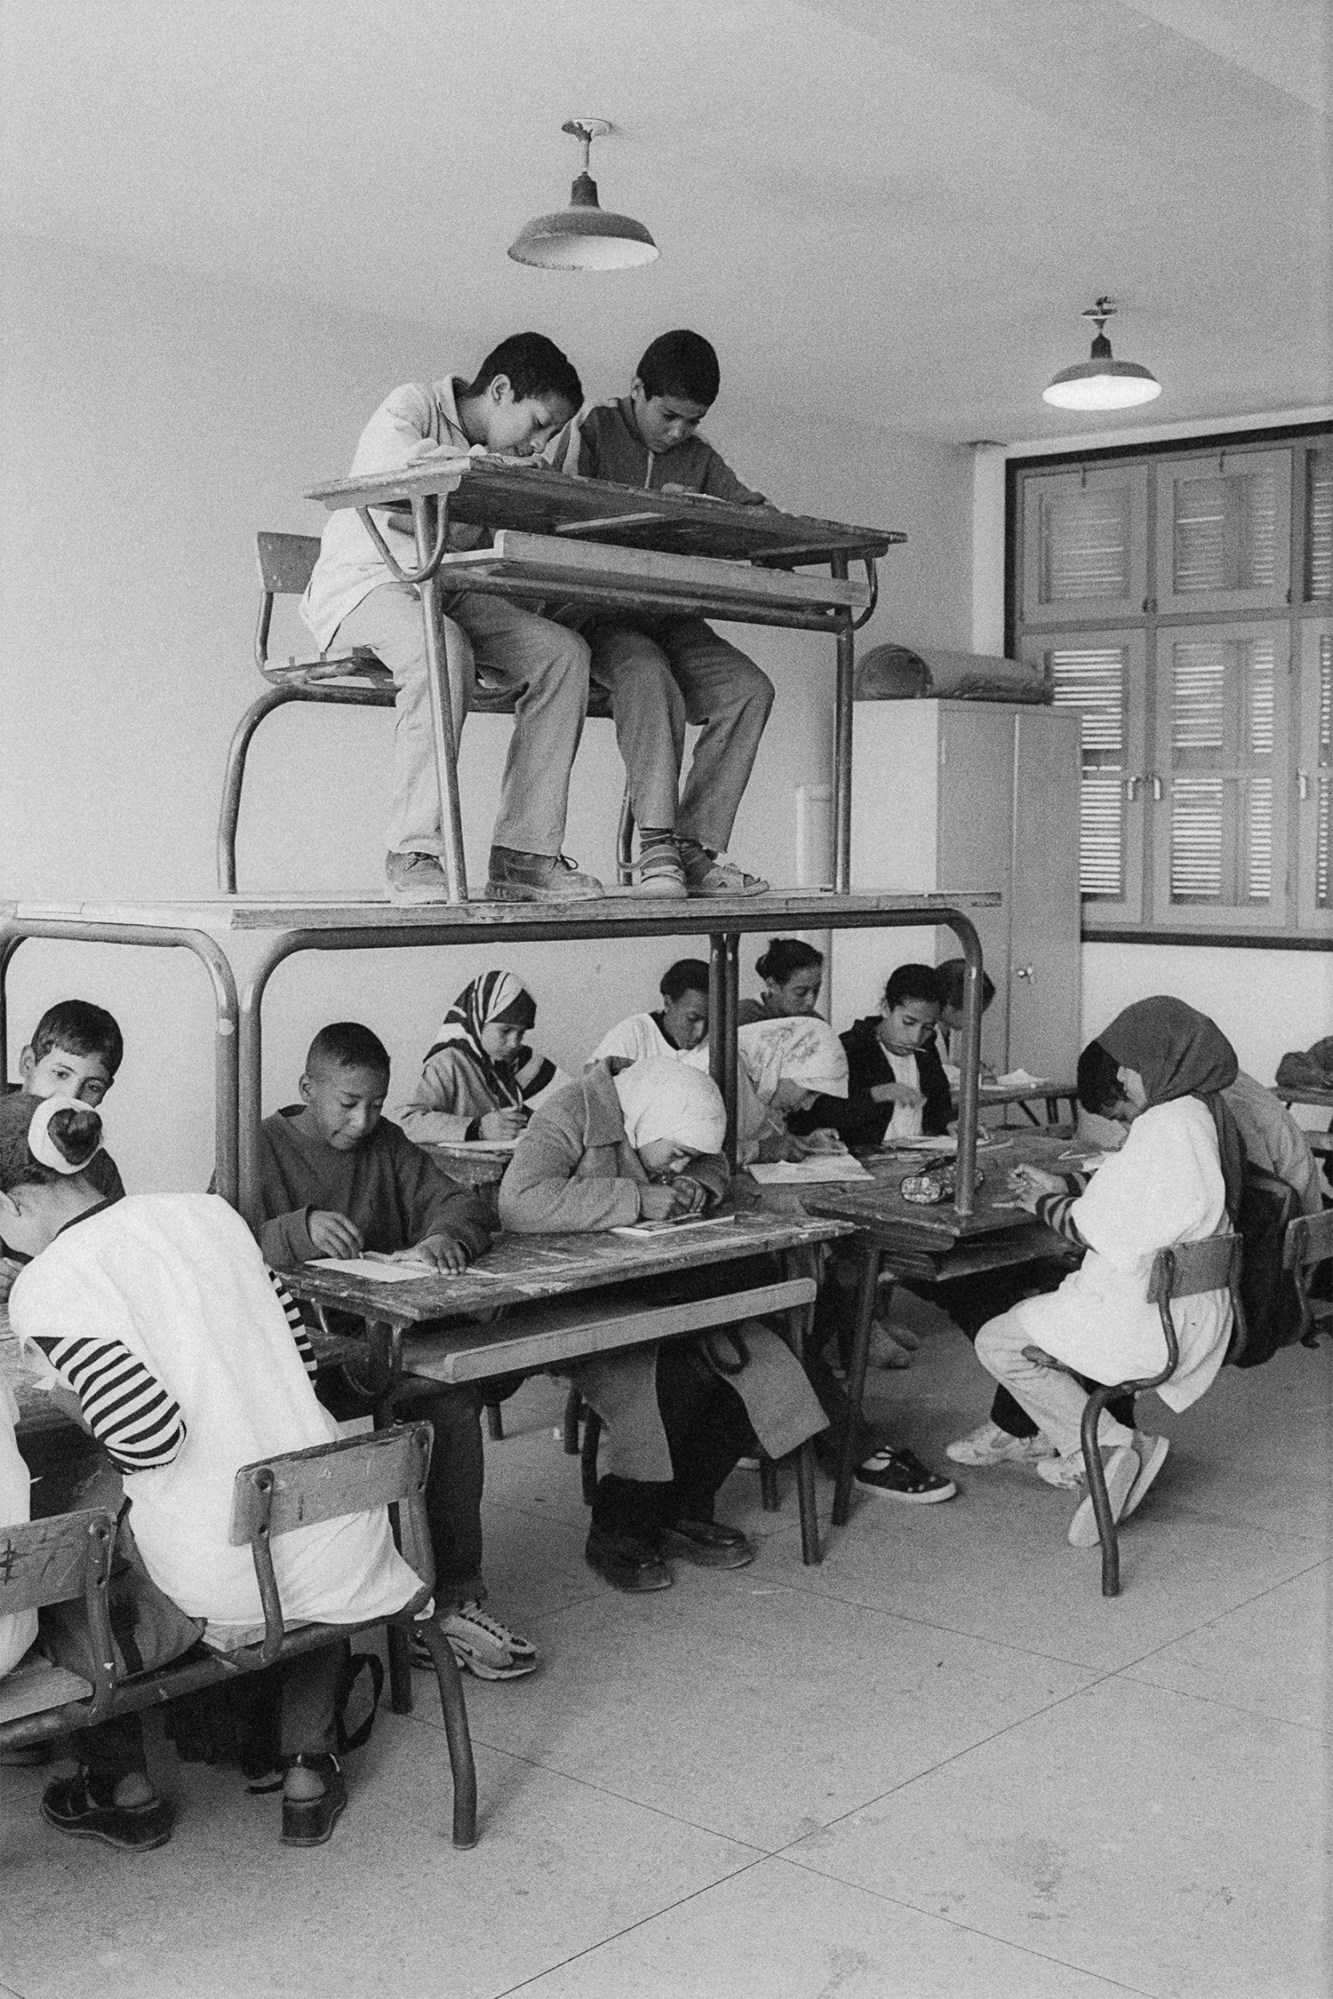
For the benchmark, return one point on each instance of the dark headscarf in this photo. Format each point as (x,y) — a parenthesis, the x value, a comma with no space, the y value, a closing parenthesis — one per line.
(1179,1052)
(493,996)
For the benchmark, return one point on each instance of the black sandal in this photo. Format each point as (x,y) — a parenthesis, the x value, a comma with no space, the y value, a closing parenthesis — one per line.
(84,1806)
(310,1821)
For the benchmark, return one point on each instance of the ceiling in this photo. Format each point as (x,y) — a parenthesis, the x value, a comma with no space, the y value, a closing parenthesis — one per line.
(888,210)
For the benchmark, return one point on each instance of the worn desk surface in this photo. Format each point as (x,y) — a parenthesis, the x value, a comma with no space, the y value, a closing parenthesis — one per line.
(514,493)
(882,1211)
(522,1269)
(1323,1099)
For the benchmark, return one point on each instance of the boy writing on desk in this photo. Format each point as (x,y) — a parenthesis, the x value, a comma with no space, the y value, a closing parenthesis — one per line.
(663,672)
(337,1179)
(514,405)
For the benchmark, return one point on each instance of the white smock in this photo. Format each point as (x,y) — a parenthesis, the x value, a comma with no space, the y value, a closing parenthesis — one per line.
(1164,1186)
(17,1632)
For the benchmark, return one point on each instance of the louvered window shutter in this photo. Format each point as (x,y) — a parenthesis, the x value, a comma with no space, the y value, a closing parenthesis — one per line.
(1085,545)
(1318,525)
(1097,678)
(1323,777)
(1223,532)
(1218,718)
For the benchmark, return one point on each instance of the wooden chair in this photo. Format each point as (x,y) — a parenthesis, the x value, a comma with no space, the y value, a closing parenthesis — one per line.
(1307,1244)
(69,1556)
(1182,1272)
(349,679)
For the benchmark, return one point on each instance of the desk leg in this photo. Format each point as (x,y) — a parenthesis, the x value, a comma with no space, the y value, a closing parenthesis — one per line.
(800,1319)
(441,700)
(386,1369)
(867,1286)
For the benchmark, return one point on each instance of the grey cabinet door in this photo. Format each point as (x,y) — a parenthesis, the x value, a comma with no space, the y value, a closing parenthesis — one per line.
(1044,946)
(976,783)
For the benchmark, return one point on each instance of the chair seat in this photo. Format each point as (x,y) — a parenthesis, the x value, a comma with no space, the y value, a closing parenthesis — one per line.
(35,1685)
(358,668)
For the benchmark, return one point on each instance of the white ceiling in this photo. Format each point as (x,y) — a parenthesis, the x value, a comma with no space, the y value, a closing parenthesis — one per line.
(892,210)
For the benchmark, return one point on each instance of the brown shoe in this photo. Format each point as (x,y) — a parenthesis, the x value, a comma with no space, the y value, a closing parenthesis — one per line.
(518,877)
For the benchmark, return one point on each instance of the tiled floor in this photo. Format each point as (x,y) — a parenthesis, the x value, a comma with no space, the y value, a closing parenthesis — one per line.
(938,1764)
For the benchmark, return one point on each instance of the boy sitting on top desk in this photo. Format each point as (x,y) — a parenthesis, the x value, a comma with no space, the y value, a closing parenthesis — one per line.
(662,672)
(337,1179)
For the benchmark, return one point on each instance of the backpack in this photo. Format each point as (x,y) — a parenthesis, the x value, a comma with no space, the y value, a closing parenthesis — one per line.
(1270,1304)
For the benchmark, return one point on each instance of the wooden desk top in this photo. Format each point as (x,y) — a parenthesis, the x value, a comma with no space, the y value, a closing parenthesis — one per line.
(516,493)
(523,1268)
(1024,1093)
(618,913)
(882,1210)
(1323,1099)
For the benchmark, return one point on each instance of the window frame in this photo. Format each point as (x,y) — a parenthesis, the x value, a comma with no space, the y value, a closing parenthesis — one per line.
(1293,922)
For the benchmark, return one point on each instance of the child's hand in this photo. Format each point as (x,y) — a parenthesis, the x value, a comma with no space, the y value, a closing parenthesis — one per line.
(333,1234)
(1028,1184)
(691,1194)
(658,1204)
(9,1270)
(507,1123)
(443,1252)
(897,1093)
(825,1139)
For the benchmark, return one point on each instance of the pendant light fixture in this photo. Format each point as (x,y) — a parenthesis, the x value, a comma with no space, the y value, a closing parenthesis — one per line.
(1102,383)
(584,237)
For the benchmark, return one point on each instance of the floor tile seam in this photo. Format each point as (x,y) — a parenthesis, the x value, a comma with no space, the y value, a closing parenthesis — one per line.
(952,1630)
(970,1929)
(1208,1623)
(1320,1730)
(640,1923)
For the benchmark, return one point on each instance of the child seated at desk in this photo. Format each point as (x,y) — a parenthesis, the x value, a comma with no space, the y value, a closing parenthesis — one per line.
(786,1068)
(186,1361)
(948,1035)
(896,1086)
(663,672)
(1176,1179)
(75,1051)
(642,1142)
(513,406)
(479,1080)
(793,973)
(677,1029)
(338,1179)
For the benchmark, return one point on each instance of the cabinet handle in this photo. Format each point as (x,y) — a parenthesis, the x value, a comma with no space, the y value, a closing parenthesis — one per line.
(1132,788)
(1024,971)
(1158,789)
(1303,783)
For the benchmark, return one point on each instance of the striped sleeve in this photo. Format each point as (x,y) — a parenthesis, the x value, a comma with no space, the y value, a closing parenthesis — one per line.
(1054,1210)
(125,1405)
(293,1315)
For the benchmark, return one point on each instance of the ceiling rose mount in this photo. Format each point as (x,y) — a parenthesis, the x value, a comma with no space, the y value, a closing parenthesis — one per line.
(585,236)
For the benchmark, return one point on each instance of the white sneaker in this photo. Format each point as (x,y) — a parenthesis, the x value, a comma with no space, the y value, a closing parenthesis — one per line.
(1064,1473)
(1122,1468)
(988,1444)
(1151,1453)
(484,1646)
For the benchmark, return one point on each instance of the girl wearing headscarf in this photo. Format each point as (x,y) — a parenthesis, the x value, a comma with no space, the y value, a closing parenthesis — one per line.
(478,1080)
(1176,1179)
(618,1146)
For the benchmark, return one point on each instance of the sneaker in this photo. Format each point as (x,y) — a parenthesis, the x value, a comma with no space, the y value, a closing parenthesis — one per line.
(658,873)
(708,874)
(84,1806)
(482,1645)
(518,877)
(626,1563)
(988,1444)
(707,1544)
(415,878)
(1066,1474)
(900,1475)
(1122,1468)
(310,1821)
(1151,1453)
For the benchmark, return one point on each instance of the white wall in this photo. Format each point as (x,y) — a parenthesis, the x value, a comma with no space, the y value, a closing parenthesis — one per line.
(1265,1001)
(152,424)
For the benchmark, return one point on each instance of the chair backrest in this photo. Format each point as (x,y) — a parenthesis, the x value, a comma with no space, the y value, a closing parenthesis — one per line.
(1308,1241)
(285,562)
(355,1475)
(54,1560)
(1191,1267)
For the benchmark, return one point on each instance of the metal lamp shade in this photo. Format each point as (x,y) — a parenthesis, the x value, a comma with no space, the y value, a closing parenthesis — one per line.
(583,237)
(1102,383)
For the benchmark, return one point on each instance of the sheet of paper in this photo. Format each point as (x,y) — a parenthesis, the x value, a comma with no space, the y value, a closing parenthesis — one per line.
(381,1272)
(671,1227)
(946,1143)
(482,1145)
(806,1172)
(1019,1079)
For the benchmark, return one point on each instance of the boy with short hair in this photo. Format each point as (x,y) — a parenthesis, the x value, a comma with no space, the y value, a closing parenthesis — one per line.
(676,1029)
(337,1179)
(513,406)
(75,1051)
(663,672)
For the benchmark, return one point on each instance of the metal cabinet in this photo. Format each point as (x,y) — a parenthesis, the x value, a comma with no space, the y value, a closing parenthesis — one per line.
(966,794)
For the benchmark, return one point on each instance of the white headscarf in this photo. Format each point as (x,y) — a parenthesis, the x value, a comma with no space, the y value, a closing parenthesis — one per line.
(663,1098)
(800,1048)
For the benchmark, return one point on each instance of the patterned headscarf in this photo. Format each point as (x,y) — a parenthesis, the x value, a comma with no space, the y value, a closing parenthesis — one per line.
(662,1098)
(1181,1053)
(489,996)
(799,1048)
